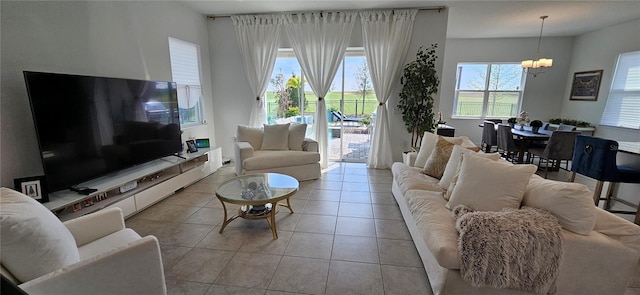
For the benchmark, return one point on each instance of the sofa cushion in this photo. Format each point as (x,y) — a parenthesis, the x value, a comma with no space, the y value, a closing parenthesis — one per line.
(439,157)
(34,242)
(437,225)
(296,136)
(454,162)
(487,185)
(252,135)
(108,243)
(273,159)
(410,178)
(276,137)
(570,202)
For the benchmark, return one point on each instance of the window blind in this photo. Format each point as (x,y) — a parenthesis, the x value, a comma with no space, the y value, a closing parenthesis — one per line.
(623,105)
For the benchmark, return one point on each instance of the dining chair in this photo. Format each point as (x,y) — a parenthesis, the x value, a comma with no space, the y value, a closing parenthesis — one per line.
(596,158)
(563,127)
(506,143)
(489,136)
(559,148)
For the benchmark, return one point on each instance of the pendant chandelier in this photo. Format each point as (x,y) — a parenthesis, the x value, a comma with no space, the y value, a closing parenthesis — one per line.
(539,65)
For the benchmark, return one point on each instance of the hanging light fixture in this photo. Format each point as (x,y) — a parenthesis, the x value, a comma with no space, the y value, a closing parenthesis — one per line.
(540,65)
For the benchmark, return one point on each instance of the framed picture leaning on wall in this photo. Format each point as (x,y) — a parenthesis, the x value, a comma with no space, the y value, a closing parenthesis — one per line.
(586,85)
(35,187)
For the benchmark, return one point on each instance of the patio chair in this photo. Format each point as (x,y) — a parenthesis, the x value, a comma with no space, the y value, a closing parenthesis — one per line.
(340,117)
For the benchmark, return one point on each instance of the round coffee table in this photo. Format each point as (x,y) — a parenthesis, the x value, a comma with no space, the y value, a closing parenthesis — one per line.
(258,195)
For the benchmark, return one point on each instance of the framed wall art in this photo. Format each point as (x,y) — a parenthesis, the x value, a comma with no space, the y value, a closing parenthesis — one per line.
(35,187)
(586,85)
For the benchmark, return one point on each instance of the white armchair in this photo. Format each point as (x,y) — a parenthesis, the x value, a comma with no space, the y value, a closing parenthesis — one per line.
(111,259)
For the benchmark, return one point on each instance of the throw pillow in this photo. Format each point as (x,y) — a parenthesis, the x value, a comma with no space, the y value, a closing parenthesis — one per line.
(296,136)
(487,185)
(426,148)
(428,144)
(34,241)
(439,157)
(252,135)
(570,202)
(276,137)
(451,169)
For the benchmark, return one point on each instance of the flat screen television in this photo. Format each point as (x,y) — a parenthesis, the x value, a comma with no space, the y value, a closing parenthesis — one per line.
(88,127)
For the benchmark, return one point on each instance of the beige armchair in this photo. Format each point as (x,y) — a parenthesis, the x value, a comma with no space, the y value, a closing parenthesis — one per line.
(103,257)
(279,149)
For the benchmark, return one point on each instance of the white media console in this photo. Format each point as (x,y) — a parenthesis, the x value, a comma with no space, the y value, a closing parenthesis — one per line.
(138,187)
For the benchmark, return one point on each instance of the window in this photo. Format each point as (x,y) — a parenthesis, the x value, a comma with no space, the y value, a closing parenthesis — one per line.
(623,104)
(488,90)
(185,69)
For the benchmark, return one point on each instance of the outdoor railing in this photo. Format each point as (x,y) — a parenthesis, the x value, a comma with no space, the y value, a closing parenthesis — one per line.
(498,109)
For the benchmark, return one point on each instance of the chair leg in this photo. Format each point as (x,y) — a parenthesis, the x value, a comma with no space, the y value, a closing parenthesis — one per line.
(546,168)
(597,192)
(607,200)
(572,178)
(637,220)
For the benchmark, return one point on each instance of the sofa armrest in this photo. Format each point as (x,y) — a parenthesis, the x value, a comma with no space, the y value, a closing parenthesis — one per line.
(132,269)
(90,227)
(409,158)
(310,145)
(242,150)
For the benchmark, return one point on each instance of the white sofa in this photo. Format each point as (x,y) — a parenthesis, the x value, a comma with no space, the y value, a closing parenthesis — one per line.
(278,149)
(601,260)
(92,254)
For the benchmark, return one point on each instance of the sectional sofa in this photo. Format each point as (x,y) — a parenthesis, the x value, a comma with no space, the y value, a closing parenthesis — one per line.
(601,251)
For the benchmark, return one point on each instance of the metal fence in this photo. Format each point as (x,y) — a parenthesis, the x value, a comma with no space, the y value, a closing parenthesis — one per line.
(498,109)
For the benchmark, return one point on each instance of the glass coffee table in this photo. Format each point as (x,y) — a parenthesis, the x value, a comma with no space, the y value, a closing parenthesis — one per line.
(258,195)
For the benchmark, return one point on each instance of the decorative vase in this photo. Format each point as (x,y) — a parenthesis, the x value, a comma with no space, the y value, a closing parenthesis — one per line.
(535,129)
(521,127)
(512,125)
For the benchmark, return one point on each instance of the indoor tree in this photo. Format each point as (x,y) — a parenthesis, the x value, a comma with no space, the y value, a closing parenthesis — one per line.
(419,84)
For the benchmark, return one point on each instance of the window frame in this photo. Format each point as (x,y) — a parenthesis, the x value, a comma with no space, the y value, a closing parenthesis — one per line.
(200,108)
(486,92)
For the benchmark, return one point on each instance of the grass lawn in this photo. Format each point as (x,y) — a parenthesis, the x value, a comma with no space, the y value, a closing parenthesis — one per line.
(500,104)
(333,101)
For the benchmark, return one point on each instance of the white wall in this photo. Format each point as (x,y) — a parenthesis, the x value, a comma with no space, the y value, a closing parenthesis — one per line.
(113,39)
(233,100)
(543,94)
(599,50)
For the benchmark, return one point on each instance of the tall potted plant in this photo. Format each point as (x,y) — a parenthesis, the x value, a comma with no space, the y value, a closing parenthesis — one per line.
(419,84)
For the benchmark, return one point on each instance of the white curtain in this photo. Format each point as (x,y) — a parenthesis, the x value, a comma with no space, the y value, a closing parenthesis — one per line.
(319,40)
(386,35)
(258,37)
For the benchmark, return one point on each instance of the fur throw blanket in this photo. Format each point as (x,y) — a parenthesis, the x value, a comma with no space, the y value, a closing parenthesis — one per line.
(515,248)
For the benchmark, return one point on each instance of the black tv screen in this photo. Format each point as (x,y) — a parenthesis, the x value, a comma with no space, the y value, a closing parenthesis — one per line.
(88,127)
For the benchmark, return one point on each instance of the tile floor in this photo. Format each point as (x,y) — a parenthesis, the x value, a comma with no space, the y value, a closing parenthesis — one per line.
(346,236)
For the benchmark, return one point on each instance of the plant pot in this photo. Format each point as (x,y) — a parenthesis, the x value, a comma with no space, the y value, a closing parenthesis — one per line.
(535,129)
(512,125)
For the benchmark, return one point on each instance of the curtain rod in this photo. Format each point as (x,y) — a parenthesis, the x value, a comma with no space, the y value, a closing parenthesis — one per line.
(214,16)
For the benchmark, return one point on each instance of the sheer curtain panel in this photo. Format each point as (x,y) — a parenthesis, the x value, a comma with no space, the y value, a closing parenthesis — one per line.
(319,41)
(258,37)
(386,36)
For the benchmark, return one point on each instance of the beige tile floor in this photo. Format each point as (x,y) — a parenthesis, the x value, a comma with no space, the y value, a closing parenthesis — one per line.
(346,236)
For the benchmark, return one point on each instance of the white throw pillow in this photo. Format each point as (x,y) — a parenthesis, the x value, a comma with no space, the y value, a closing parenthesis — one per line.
(570,202)
(34,242)
(252,135)
(488,185)
(276,137)
(427,145)
(296,136)
(452,167)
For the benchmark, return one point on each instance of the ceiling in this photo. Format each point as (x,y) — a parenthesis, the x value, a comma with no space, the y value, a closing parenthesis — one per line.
(467,19)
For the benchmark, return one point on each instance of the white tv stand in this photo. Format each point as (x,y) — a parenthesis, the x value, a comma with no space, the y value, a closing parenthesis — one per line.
(156,180)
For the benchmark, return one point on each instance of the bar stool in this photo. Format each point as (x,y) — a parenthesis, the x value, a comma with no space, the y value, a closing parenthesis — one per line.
(596,158)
